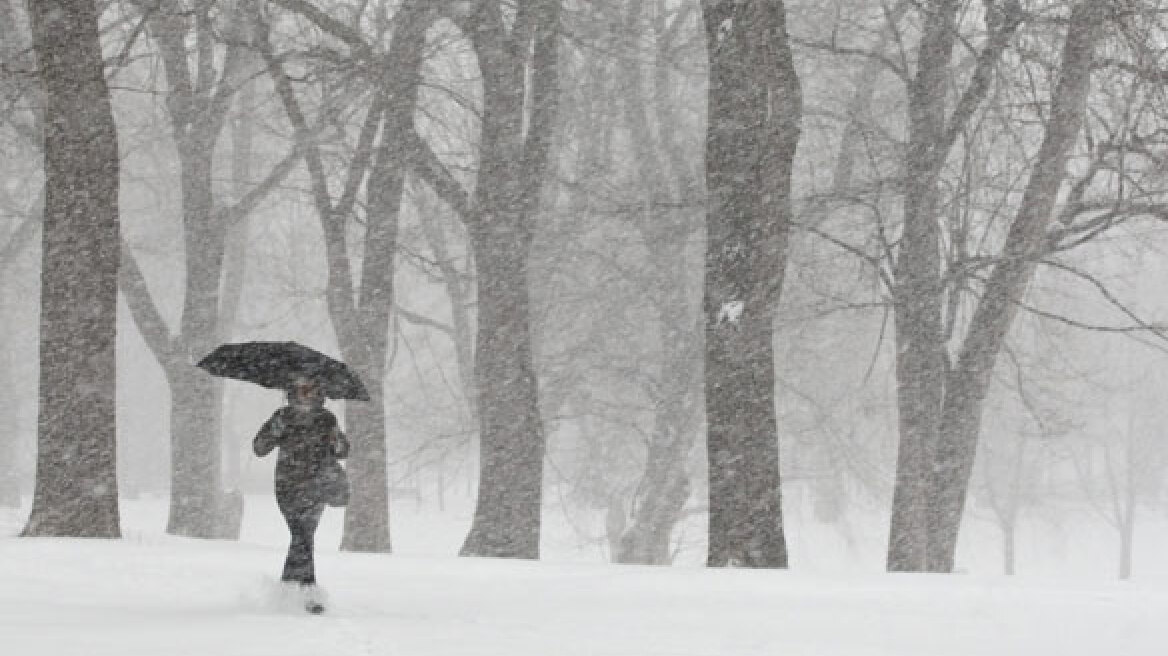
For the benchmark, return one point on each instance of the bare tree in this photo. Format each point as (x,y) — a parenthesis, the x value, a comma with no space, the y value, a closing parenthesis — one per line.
(360,313)
(753,130)
(978,200)
(667,224)
(200,85)
(969,379)
(76,484)
(517,60)
(918,295)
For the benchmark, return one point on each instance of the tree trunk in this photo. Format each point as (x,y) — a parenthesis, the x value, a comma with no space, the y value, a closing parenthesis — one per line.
(507,513)
(76,491)
(366,525)
(10,496)
(1008,544)
(360,312)
(520,81)
(234,274)
(365,340)
(665,485)
(196,399)
(753,130)
(969,382)
(367,516)
(1127,529)
(194,452)
(197,105)
(920,359)
(9,476)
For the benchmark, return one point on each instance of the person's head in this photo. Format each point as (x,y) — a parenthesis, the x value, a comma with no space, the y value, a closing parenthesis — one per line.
(305,392)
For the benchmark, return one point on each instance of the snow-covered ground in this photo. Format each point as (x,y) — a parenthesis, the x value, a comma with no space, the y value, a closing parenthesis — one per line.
(150,594)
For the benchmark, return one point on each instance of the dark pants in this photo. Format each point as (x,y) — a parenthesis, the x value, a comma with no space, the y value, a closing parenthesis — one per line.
(302,513)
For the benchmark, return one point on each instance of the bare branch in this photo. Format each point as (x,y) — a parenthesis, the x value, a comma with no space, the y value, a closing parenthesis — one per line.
(330,25)
(895,68)
(252,199)
(146,316)
(420,320)
(426,165)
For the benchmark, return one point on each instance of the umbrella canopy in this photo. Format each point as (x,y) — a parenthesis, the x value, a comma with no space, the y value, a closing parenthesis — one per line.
(278,364)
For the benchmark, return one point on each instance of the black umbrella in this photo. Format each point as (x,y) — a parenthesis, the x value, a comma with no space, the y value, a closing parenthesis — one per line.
(278,364)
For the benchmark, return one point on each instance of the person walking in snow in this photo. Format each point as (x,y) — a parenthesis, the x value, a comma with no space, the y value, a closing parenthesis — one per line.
(308,476)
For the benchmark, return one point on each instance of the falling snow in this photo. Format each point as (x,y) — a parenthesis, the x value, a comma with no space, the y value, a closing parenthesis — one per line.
(490,262)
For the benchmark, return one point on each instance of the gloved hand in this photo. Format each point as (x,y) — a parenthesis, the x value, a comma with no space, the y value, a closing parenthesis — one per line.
(278,425)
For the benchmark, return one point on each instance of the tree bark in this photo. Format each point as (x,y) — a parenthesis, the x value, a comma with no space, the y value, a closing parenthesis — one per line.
(507,512)
(917,302)
(76,491)
(366,524)
(365,341)
(519,71)
(753,129)
(194,451)
(367,516)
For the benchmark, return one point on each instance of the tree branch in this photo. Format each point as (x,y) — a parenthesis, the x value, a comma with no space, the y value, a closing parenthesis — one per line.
(895,68)
(426,165)
(246,205)
(146,316)
(1004,23)
(420,320)
(330,25)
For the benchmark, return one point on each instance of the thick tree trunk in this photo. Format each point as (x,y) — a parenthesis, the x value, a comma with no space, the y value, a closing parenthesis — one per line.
(194,451)
(366,525)
(196,399)
(367,516)
(76,491)
(746,528)
(921,358)
(753,130)
(507,513)
(969,381)
(365,338)
(520,89)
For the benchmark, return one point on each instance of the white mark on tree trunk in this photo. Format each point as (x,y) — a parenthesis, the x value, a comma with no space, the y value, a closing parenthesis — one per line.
(730,312)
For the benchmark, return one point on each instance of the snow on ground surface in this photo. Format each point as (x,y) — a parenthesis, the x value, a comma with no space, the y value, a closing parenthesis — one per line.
(151,594)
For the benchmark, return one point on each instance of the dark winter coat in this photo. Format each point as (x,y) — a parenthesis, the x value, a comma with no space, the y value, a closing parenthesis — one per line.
(310,442)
